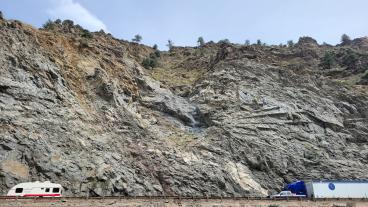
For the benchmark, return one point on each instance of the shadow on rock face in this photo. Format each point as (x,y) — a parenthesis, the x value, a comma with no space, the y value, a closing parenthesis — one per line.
(177,107)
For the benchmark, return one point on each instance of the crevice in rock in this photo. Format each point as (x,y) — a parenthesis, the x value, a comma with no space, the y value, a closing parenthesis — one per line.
(4,88)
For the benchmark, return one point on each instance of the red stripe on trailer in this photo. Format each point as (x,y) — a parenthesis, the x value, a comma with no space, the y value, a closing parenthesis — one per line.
(36,195)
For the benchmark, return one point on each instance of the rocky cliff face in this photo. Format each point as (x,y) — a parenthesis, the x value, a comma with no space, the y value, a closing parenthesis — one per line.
(220,119)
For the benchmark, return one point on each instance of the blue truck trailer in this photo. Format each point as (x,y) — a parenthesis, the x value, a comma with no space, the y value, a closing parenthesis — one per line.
(329,189)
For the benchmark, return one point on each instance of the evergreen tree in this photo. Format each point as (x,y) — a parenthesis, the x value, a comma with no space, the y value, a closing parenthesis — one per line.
(290,43)
(68,23)
(200,41)
(170,44)
(48,24)
(224,41)
(137,38)
(345,39)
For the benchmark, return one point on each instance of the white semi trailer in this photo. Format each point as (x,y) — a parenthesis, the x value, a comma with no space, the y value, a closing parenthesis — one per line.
(330,189)
(337,189)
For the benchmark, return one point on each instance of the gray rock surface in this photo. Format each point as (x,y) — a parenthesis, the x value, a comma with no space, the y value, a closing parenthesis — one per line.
(92,119)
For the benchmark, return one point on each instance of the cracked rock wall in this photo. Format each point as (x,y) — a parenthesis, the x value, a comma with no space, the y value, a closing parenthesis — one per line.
(86,114)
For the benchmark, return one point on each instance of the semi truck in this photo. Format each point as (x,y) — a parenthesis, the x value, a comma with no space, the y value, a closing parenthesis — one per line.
(329,189)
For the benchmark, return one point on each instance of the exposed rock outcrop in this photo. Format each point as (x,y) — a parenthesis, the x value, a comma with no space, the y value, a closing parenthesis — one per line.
(212,120)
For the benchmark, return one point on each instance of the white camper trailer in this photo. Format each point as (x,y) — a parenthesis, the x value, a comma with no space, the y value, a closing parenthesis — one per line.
(36,189)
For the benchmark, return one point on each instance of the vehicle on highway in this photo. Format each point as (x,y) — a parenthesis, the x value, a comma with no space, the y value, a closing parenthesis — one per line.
(330,188)
(36,189)
(287,194)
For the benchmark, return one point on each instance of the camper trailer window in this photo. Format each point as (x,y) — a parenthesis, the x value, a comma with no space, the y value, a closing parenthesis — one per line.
(18,190)
(47,190)
(55,190)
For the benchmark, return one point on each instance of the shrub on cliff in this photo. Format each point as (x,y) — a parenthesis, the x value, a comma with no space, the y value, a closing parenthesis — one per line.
(224,41)
(150,62)
(48,24)
(328,60)
(86,34)
(157,53)
(68,22)
(350,59)
(57,21)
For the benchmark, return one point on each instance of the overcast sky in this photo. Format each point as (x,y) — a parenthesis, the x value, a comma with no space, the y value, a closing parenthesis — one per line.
(183,21)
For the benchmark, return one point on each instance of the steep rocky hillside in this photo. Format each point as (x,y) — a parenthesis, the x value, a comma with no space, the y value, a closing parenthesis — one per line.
(78,108)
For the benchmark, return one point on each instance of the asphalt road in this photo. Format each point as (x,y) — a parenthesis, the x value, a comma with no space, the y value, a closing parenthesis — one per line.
(115,202)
